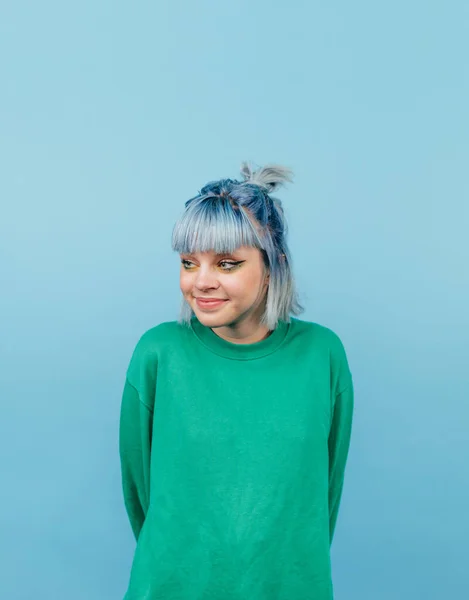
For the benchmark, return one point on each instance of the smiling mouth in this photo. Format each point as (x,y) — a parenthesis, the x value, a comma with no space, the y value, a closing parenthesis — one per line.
(209,304)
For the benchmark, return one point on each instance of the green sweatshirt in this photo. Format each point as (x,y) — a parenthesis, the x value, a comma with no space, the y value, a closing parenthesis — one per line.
(233,460)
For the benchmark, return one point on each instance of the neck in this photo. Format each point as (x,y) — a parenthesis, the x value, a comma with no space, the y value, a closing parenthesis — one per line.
(242,333)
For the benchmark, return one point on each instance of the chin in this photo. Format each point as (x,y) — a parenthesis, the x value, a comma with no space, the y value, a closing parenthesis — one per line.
(212,319)
(209,316)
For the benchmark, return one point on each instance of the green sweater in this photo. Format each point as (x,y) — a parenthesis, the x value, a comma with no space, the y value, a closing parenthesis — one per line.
(233,460)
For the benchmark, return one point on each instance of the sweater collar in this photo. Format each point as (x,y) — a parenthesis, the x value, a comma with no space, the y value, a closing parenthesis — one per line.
(235,351)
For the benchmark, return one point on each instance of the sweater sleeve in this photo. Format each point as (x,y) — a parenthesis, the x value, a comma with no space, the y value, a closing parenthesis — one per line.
(338,443)
(135,431)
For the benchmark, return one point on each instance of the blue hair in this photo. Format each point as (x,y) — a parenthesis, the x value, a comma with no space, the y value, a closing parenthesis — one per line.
(227,214)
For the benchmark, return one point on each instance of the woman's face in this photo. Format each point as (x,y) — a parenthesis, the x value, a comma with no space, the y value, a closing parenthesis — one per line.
(239,279)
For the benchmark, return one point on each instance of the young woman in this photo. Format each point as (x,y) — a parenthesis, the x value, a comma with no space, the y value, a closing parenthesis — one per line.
(236,419)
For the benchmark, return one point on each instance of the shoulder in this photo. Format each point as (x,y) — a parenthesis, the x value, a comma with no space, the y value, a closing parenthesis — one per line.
(330,342)
(159,335)
(151,344)
(320,334)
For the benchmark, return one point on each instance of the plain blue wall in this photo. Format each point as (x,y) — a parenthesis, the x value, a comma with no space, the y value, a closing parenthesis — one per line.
(112,115)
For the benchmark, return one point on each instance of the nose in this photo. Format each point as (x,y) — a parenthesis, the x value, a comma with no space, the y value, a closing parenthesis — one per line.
(206,278)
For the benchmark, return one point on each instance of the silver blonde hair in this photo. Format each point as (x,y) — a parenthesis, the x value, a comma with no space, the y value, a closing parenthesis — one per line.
(227,214)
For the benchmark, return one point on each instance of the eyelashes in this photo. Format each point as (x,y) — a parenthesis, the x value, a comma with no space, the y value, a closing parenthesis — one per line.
(233,264)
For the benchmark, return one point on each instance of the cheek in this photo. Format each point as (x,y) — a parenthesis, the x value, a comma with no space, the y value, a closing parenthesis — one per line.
(185,283)
(235,285)
(245,284)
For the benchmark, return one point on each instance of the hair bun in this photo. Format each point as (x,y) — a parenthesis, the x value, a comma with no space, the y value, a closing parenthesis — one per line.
(269,177)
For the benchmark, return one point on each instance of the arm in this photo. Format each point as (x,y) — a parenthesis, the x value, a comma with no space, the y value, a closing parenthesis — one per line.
(135,431)
(339,442)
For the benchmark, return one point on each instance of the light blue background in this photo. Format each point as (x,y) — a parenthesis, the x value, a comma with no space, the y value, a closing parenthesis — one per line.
(112,115)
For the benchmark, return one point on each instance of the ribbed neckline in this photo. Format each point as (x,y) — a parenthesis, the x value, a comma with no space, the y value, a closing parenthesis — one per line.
(235,351)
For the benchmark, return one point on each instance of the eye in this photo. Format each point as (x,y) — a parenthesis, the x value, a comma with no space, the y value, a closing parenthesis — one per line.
(232,264)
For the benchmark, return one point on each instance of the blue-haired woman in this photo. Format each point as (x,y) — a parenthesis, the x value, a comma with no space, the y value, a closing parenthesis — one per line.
(236,419)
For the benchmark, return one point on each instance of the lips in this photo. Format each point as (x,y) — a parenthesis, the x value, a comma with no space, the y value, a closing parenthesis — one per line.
(209,303)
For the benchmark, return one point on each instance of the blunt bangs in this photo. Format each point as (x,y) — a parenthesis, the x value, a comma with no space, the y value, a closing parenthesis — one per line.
(213,223)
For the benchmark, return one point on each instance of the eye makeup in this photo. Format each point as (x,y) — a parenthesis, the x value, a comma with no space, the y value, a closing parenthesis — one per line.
(233,264)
